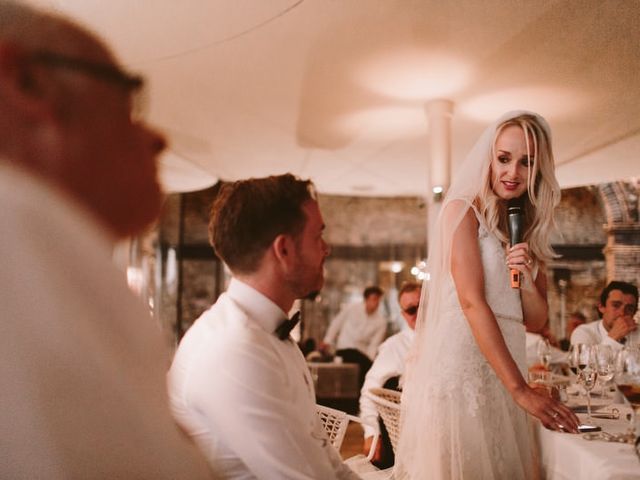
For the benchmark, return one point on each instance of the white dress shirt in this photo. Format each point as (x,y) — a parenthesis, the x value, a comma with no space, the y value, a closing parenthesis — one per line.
(247,397)
(353,328)
(389,363)
(82,363)
(594,333)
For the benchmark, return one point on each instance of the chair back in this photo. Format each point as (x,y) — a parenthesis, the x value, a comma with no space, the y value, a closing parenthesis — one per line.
(388,405)
(335,424)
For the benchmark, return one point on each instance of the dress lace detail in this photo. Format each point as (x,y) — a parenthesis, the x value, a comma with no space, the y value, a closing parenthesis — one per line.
(466,423)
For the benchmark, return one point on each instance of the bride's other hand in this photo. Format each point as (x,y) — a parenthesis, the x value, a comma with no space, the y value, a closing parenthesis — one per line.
(553,414)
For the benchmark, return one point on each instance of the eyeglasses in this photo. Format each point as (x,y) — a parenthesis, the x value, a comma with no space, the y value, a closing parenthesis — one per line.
(412,310)
(130,83)
(101,71)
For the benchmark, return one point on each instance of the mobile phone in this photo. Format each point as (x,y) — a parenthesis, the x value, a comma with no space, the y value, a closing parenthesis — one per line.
(588,428)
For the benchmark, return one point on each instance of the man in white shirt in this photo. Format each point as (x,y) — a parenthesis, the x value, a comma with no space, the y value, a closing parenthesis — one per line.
(82,365)
(618,305)
(388,367)
(238,384)
(358,330)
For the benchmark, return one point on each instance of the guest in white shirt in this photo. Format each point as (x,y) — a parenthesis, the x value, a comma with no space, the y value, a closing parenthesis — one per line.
(358,330)
(238,384)
(618,305)
(388,367)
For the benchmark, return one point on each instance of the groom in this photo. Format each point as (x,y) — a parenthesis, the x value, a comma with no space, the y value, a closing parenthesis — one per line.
(238,384)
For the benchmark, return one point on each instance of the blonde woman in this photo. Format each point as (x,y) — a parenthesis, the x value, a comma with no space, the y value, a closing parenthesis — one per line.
(466,397)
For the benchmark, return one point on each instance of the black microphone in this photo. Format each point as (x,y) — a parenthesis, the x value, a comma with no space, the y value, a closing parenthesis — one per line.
(514,222)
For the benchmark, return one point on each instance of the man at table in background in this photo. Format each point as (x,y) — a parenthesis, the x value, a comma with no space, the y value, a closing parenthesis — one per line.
(386,372)
(618,305)
(82,364)
(238,384)
(357,331)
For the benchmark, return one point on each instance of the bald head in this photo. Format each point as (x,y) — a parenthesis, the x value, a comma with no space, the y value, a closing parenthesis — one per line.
(65,108)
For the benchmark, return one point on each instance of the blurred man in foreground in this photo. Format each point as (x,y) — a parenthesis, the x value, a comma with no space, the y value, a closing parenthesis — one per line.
(81,364)
(239,385)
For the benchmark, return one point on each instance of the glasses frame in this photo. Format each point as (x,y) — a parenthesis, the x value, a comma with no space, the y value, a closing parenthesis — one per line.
(100,71)
(412,310)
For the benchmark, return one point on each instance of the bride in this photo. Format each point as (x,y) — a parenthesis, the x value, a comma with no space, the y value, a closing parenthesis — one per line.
(465,396)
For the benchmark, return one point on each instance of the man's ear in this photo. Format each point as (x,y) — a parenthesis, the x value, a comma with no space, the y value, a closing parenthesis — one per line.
(20,85)
(601,308)
(283,248)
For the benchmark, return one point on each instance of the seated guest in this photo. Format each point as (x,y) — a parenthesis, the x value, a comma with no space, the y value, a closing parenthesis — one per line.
(386,371)
(358,330)
(575,320)
(82,363)
(239,385)
(618,304)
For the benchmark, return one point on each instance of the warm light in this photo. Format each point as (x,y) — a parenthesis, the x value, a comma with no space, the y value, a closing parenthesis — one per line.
(135,279)
(396,267)
(414,74)
(415,271)
(385,124)
(438,189)
(547,101)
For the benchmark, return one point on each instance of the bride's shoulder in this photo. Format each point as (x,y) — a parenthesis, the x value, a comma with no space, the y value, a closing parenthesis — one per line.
(459,212)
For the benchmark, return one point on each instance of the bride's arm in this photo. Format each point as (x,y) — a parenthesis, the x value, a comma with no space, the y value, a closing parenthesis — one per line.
(468,276)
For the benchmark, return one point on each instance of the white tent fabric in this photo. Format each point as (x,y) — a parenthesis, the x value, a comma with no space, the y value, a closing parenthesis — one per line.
(335,90)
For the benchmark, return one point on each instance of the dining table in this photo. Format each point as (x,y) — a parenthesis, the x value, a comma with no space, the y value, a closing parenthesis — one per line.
(566,456)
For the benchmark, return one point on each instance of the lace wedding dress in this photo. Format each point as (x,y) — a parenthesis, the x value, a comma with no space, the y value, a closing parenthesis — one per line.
(458,421)
(466,423)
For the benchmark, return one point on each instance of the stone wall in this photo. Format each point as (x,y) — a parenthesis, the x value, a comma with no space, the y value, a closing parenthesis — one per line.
(366,235)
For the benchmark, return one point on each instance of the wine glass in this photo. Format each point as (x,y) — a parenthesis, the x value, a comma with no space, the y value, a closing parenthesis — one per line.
(605,364)
(627,378)
(544,352)
(573,357)
(587,372)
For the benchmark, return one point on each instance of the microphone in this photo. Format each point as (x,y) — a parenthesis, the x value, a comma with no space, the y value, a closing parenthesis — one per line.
(514,222)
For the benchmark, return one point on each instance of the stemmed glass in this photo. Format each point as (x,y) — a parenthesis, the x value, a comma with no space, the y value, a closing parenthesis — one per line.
(605,364)
(587,372)
(544,352)
(627,378)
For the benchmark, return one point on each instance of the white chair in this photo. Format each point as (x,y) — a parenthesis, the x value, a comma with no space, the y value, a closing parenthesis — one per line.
(335,423)
(388,405)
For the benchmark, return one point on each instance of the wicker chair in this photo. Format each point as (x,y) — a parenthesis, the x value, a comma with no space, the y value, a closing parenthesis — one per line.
(335,423)
(388,406)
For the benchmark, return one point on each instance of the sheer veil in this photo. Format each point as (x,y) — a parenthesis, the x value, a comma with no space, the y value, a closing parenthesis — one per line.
(428,356)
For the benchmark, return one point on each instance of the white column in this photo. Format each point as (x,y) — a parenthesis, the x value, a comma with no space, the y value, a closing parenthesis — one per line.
(439,113)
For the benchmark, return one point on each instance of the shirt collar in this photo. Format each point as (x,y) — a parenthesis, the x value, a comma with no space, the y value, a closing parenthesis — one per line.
(258,308)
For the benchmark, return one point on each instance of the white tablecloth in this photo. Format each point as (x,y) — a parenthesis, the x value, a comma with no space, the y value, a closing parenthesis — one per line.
(570,457)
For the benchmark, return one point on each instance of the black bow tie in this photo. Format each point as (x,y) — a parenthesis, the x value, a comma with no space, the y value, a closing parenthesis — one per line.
(285,327)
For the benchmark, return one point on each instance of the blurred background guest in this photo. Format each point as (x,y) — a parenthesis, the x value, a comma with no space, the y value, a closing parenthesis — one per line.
(82,365)
(575,320)
(386,372)
(357,331)
(618,304)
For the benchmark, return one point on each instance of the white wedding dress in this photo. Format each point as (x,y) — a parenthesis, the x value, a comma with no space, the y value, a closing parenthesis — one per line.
(458,420)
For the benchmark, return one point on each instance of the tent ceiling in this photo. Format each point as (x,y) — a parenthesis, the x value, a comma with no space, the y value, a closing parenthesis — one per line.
(335,90)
